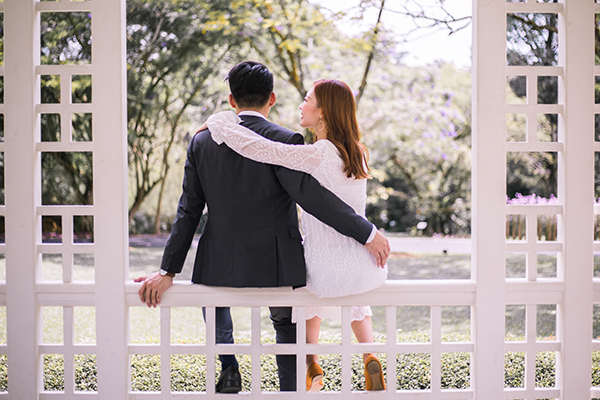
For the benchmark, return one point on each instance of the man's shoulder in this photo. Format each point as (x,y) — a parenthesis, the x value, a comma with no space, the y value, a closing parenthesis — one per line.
(271,130)
(201,137)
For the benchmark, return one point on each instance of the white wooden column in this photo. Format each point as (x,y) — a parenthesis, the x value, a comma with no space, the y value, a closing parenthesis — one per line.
(576,192)
(110,195)
(488,196)
(22,149)
(22,188)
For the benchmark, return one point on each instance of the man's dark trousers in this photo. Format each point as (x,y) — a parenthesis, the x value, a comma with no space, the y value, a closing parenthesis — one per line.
(285,332)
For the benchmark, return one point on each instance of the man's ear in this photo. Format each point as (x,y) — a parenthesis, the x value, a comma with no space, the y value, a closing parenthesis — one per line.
(232,101)
(272,99)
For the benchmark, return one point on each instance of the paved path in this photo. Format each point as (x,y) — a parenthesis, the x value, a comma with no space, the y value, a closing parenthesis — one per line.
(399,244)
(405,244)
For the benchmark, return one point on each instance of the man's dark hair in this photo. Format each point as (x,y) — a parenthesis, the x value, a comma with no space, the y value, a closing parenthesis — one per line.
(251,84)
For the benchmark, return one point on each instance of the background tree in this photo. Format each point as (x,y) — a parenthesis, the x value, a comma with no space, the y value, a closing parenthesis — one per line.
(300,44)
(415,121)
(179,52)
(66,176)
(171,56)
(418,132)
(532,39)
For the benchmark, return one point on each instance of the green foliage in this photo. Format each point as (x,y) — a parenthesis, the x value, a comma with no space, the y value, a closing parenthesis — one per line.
(417,128)
(545,362)
(269,378)
(415,121)
(514,369)
(66,176)
(3,373)
(284,34)
(2,39)
(86,373)
(532,39)
(596,317)
(188,372)
(595,368)
(414,371)
(292,37)
(66,38)
(1,173)
(54,372)
(300,44)
(145,372)
(178,53)
(171,56)
(456,370)
(545,369)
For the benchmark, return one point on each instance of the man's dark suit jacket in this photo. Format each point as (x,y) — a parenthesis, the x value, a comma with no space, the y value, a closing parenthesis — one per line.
(251,237)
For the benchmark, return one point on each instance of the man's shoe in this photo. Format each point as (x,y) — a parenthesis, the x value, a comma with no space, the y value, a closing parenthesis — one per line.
(314,378)
(230,380)
(373,374)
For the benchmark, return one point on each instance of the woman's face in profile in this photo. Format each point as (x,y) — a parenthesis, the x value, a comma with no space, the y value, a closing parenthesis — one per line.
(309,111)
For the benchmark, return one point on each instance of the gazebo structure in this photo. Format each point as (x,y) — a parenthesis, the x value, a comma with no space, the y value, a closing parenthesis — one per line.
(574,291)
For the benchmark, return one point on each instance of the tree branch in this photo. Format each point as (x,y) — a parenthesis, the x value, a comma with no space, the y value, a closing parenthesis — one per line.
(363,84)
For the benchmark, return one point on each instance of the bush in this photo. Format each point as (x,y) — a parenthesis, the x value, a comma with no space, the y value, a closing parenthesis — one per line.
(414,371)
(188,372)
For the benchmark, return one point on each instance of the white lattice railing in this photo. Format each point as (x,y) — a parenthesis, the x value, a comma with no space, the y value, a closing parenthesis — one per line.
(572,291)
(428,293)
(434,294)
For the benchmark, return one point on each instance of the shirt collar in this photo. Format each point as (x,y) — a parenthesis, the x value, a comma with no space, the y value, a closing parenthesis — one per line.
(252,113)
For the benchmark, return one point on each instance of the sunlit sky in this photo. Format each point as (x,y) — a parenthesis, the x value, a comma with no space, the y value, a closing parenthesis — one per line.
(425,46)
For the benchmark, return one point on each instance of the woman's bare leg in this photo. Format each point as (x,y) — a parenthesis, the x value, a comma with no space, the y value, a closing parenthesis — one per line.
(313,327)
(363,330)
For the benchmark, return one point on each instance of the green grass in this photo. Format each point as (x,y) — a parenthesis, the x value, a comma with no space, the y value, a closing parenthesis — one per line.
(146,260)
(83,267)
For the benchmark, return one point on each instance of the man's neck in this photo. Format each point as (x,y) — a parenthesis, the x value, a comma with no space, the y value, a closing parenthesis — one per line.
(263,111)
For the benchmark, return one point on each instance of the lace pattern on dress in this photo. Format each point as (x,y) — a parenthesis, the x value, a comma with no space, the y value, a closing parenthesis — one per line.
(357,313)
(224,128)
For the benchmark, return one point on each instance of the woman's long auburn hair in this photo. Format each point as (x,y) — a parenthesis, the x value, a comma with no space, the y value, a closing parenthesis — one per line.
(336,100)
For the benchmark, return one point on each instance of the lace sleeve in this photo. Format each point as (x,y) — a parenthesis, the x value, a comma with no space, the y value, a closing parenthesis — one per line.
(224,128)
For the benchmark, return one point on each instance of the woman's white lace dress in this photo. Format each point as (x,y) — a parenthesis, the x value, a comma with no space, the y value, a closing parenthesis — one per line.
(336,264)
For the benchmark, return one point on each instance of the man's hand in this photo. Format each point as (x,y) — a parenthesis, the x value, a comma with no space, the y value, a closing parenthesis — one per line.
(153,288)
(380,248)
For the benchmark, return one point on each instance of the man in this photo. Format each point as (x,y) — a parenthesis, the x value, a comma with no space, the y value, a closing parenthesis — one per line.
(251,238)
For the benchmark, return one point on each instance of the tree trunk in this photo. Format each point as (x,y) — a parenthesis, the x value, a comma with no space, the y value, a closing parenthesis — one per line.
(363,84)
(158,214)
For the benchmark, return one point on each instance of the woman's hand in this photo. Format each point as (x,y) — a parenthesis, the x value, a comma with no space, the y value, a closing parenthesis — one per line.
(202,128)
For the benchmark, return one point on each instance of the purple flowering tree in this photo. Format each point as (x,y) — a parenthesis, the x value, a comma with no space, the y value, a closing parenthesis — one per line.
(417,126)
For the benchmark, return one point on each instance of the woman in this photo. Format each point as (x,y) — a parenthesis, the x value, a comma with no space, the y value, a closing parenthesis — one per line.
(336,265)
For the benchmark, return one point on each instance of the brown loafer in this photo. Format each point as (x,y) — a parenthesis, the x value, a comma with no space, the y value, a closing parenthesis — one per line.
(314,378)
(373,374)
